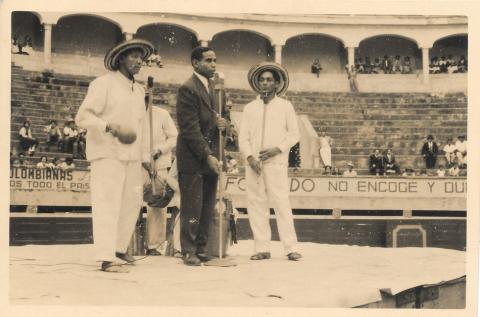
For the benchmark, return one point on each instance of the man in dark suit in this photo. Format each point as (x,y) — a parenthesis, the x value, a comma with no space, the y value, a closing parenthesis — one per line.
(198,151)
(375,163)
(429,152)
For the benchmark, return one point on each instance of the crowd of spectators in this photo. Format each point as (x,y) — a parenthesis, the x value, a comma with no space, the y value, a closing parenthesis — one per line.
(43,163)
(448,65)
(71,140)
(22,46)
(386,65)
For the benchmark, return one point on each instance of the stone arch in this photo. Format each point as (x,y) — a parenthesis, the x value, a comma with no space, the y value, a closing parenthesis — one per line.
(27,23)
(454,44)
(85,34)
(300,51)
(242,48)
(173,42)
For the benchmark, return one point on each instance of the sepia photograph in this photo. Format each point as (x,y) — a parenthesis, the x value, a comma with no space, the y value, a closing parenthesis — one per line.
(255,160)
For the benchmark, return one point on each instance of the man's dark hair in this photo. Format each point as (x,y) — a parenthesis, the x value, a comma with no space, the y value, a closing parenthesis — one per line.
(275,74)
(197,53)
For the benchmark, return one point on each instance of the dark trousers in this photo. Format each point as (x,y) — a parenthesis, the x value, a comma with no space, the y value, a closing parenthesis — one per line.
(198,197)
(430,161)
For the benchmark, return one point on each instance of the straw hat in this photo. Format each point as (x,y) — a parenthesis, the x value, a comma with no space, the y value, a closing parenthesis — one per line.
(256,70)
(111,58)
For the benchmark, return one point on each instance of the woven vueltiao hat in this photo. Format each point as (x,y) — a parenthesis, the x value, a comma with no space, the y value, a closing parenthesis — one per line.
(111,58)
(282,72)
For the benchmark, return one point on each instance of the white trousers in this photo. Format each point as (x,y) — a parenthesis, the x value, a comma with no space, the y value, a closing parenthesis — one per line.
(116,193)
(326,154)
(271,186)
(157,220)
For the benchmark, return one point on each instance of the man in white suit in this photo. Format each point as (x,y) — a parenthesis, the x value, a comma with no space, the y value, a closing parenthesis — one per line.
(113,112)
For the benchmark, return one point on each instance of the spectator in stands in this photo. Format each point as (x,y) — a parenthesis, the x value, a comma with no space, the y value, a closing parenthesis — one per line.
(316,67)
(55,163)
(70,135)
(27,141)
(441,171)
(461,150)
(462,65)
(43,163)
(397,65)
(27,47)
(449,151)
(463,171)
(154,60)
(79,145)
(231,140)
(407,65)
(336,171)
(54,136)
(359,66)
(409,172)
(386,65)
(434,66)
(350,172)
(67,165)
(15,162)
(20,161)
(232,166)
(376,164)
(368,65)
(294,159)
(422,172)
(14,46)
(454,170)
(325,150)
(442,64)
(376,66)
(451,64)
(352,78)
(429,152)
(391,166)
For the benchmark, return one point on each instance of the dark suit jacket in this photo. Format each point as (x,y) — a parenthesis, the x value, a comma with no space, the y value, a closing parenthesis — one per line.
(198,132)
(376,163)
(426,150)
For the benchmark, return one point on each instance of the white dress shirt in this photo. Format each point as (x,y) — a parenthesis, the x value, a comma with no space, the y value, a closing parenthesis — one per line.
(25,133)
(449,148)
(461,146)
(281,129)
(114,99)
(164,136)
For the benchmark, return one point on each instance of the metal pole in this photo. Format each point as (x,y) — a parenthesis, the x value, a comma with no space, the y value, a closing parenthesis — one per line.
(150,118)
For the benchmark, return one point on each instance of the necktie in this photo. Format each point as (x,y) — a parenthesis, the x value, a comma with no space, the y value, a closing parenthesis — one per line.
(211,91)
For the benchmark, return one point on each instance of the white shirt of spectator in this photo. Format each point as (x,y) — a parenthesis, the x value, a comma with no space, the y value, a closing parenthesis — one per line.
(64,166)
(69,132)
(461,146)
(281,129)
(449,148)
(23,132)
(352,173)
(440,173)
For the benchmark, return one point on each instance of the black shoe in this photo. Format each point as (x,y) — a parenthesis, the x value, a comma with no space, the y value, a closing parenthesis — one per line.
(113,267)
(294,256)
(153,252)
(125,257)
(261,256)
(191,260)
(204,257)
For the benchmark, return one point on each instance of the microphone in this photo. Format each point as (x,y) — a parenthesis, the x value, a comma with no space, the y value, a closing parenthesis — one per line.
(264,96)
(150,82)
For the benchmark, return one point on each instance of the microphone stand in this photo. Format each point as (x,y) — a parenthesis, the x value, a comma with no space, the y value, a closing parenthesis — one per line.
(150,118)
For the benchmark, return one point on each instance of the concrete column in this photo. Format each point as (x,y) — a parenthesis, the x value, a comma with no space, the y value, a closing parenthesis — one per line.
(203,43)
(47,46)
(278,53)
(128,36)
(425,63)
(351,56)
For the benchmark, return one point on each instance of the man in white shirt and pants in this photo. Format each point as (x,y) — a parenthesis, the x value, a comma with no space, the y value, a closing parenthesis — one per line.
(114,114)
(164,140)
(268,130)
